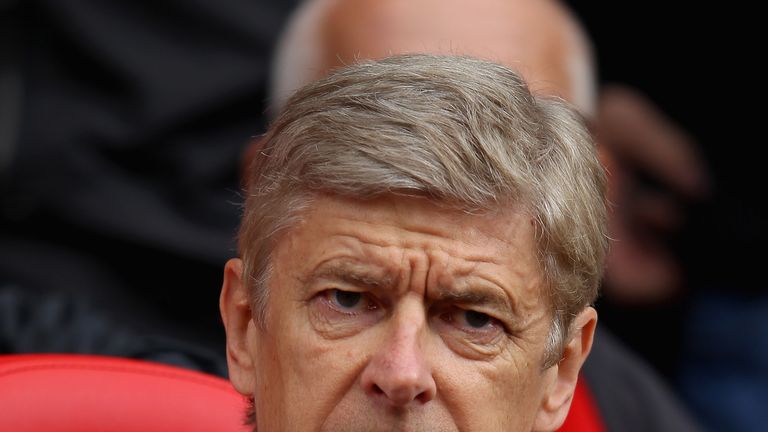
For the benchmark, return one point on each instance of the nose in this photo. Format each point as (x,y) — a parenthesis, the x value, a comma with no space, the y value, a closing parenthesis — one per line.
(399,371)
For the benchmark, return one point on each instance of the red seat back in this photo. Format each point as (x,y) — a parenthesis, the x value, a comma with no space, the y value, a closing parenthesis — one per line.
(89,393)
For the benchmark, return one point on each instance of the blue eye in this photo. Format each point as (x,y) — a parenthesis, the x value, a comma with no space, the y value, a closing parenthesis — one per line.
(349,301)
(476,319)
(471,320)
(467,330)
(346,299)
(337,313)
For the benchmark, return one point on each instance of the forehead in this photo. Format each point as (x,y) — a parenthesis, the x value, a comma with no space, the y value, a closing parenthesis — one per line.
(420,215)
(391,238)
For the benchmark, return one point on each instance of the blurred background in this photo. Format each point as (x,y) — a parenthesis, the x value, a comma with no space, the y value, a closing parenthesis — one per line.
(123,130)
(697,64)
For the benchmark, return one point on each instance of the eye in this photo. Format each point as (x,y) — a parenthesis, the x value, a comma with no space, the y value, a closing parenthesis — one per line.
(470,320)
(474,325)
(471,333)
(476,320)
(349,301)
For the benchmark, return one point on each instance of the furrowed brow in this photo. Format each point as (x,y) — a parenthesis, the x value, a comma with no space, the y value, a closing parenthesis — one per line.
(473,297)
(352,274)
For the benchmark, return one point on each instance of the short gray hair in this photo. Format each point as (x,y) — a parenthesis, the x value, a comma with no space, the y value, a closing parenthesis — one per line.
(463,132)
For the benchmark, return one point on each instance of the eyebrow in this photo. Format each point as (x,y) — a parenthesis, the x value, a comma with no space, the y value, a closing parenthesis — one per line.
(351,274)
(475,297)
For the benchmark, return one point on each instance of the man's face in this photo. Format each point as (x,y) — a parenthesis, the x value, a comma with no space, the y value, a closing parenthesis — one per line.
(397,315)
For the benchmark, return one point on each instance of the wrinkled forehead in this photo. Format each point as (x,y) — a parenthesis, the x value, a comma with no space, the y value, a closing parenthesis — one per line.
(536,38)
(377,226)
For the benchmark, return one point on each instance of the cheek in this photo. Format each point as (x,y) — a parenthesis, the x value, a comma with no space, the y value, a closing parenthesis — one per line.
(309,372)
(498,395)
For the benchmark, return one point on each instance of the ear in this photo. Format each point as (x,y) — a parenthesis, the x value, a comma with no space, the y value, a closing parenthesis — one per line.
(238,323)
(563,376)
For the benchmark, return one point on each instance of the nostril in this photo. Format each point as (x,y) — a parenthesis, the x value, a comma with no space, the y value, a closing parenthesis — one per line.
(425,396)
(377,390)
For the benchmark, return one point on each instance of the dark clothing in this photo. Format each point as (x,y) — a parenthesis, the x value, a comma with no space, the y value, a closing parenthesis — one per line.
(629,395)
(119,179)
(54,323)
(726,373)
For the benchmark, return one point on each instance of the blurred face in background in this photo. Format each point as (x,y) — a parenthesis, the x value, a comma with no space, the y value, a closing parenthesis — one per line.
(536,38)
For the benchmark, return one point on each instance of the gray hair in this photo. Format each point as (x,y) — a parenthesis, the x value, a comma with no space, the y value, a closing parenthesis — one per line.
(463,132)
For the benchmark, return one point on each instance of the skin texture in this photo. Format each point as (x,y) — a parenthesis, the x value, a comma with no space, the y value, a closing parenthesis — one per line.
(369,325)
